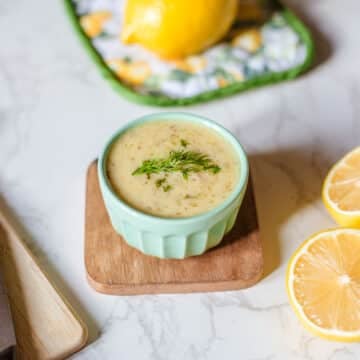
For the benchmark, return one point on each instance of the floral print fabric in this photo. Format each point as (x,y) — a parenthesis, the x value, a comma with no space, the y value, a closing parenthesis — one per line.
(260,42)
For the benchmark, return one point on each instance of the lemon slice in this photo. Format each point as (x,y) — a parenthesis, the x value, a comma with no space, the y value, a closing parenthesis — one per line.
(323,284)
(341,190)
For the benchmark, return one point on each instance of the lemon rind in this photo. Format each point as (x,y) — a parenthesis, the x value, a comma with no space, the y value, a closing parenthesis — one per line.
(325,192)
(334,335)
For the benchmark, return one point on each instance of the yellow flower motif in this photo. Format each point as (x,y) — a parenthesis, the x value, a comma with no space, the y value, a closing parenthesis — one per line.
(192,64)
(222,82)
(134,73)
(93,24)
(231,76)
(237,76)
(249,40)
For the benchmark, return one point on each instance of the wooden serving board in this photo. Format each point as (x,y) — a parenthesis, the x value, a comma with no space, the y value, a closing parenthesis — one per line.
(46,326)
(113,267)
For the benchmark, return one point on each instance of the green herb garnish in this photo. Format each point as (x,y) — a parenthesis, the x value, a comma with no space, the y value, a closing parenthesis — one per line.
(183,161)
(166,188)
(159,182)
(184,143)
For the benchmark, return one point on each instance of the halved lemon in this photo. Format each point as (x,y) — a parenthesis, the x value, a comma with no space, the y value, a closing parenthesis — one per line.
(341,190)
(323,284)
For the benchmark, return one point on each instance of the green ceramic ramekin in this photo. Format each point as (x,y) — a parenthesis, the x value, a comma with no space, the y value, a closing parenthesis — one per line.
(174,238)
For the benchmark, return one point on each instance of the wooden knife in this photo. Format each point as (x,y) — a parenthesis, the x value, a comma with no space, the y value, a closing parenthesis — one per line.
(7,334)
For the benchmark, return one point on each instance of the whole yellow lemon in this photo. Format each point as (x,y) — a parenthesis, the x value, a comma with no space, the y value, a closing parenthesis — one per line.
(177,28)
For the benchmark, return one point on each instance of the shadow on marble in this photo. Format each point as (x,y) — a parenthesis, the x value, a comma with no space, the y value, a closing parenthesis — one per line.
(51,272)
(285,181)
(323,46)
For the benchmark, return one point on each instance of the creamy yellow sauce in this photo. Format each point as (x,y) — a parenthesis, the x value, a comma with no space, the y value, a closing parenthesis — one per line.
(176,196)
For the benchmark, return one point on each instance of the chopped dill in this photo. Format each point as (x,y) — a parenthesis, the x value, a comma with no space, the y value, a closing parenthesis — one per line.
(182,161)
(166,188)
(159,182)
(184,143)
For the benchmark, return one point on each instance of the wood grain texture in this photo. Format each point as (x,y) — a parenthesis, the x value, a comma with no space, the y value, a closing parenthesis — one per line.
(113,267)
(7,332)
(46,327)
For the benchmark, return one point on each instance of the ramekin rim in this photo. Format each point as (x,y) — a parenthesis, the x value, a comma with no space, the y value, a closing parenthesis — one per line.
(182,116)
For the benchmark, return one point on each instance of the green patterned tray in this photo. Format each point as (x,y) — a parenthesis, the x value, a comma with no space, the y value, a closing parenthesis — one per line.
(267,44)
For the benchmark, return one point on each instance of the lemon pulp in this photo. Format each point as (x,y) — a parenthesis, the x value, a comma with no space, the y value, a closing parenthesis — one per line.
(341,190)
(323,283)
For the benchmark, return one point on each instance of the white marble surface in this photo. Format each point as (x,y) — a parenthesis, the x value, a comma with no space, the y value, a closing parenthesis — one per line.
(56,113)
